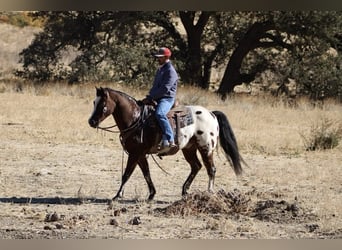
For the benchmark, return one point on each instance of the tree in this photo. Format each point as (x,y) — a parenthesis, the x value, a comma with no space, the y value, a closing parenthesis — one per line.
(96,43)
(247,42)
(300,34)
(101,38)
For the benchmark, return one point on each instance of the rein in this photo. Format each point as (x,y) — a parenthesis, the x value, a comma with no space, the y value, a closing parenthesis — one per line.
(108,129)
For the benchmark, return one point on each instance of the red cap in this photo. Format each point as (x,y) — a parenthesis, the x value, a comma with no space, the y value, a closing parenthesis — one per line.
(163,52)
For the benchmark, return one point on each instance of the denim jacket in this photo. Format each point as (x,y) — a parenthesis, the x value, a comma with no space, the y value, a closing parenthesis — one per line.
(165,83)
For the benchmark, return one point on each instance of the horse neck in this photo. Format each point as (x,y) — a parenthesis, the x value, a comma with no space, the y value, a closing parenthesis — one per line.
(126,111)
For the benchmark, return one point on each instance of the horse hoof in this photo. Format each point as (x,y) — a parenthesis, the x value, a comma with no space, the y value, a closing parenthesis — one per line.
(110,204)
(185,195)
(116,197)
(150,198)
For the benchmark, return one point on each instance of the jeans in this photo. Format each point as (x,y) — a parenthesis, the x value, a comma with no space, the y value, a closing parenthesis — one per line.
(163,107)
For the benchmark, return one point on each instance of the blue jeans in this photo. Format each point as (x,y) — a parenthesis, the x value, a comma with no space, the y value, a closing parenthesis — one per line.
(163,107)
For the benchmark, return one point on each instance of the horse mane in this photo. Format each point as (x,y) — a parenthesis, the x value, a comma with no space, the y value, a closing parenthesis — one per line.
(124,95)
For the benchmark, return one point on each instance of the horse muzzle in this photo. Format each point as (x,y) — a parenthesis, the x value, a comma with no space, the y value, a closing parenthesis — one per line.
(93,123)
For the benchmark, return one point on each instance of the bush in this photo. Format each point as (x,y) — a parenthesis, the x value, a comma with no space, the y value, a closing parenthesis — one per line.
(20,19)
(323,135)
(320,80)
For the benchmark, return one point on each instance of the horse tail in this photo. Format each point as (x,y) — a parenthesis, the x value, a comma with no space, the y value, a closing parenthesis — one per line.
(228,142)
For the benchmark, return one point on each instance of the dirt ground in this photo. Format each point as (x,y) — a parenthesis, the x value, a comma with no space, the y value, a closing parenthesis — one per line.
(57,175)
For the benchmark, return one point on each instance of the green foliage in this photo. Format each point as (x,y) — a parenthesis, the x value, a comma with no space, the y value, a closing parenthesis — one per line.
(318,76)
(299,46)
(18,19)
(90,46)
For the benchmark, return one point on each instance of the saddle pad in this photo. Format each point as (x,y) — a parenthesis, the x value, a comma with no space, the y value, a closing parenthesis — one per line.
(180,117)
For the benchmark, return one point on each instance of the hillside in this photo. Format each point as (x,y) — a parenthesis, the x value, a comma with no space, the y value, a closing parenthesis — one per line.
(12,41)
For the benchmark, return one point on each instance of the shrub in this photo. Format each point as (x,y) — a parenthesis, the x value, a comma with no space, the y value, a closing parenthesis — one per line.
(324,134)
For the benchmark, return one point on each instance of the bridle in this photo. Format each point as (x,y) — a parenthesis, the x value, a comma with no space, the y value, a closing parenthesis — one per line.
(125,133)
(108,129)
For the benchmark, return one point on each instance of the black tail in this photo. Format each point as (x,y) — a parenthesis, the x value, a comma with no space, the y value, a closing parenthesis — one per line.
(228,142)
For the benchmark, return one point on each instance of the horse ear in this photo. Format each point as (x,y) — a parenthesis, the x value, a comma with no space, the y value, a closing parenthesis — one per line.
(102,92)
(106,93)
(98,91)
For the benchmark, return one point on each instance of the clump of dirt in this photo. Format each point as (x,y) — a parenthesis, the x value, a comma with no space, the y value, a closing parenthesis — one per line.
(281,212)
(208,203)
(236,202)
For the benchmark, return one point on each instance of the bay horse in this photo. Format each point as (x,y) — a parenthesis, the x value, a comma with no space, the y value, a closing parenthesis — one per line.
(140,136)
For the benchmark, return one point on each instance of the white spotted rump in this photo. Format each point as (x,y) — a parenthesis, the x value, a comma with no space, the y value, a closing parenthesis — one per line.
(205,130)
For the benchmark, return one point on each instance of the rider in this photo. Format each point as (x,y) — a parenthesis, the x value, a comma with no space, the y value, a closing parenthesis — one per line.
(163,92)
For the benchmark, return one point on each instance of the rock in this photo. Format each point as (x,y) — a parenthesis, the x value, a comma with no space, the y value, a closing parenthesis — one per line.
(135,221)
(47,227)
(114,222)
(312,227)
(50,217)
(117,212)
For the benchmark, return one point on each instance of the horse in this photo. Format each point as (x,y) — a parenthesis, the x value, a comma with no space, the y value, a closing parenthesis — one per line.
(140,136)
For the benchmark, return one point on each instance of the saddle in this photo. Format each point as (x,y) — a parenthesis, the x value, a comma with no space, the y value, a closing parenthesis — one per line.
(179,117)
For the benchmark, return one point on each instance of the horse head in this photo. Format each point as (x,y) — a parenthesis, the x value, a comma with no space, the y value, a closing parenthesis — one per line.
(103,107)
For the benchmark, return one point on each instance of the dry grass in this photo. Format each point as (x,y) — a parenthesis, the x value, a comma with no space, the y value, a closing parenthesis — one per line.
(44,134)
(268,127)
(263,124)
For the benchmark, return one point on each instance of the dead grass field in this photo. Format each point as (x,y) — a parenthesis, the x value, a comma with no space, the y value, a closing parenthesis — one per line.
(57,173)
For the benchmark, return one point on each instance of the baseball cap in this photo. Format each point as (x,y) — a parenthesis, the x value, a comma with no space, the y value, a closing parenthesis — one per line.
(163,51)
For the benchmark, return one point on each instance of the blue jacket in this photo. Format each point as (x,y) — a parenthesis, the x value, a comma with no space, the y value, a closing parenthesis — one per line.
(165,83)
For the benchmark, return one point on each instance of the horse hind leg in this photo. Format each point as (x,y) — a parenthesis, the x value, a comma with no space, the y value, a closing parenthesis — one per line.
(208,161)
(191,157)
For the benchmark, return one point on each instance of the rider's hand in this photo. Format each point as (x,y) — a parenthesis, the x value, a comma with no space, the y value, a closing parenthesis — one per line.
(146,101)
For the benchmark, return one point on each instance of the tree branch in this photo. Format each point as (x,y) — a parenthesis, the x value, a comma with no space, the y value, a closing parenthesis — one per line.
(276,41)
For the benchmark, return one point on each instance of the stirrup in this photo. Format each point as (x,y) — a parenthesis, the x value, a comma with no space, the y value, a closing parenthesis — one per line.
(169,149)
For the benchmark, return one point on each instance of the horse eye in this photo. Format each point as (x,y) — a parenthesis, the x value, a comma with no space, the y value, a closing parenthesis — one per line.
(105,109)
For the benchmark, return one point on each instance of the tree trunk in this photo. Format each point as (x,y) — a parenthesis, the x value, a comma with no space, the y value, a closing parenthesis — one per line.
(232,76)
(194,65)
(193,74)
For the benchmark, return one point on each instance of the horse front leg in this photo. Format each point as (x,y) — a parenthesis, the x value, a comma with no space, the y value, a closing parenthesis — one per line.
(143,164)
(130,166)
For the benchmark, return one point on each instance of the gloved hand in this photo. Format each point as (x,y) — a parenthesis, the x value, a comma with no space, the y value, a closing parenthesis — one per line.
(148,101)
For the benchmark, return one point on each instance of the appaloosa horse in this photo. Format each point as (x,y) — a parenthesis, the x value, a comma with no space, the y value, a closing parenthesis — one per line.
(196,128)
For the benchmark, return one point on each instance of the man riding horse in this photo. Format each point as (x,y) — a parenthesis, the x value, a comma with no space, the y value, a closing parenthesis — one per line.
(139,136)
(163,93)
